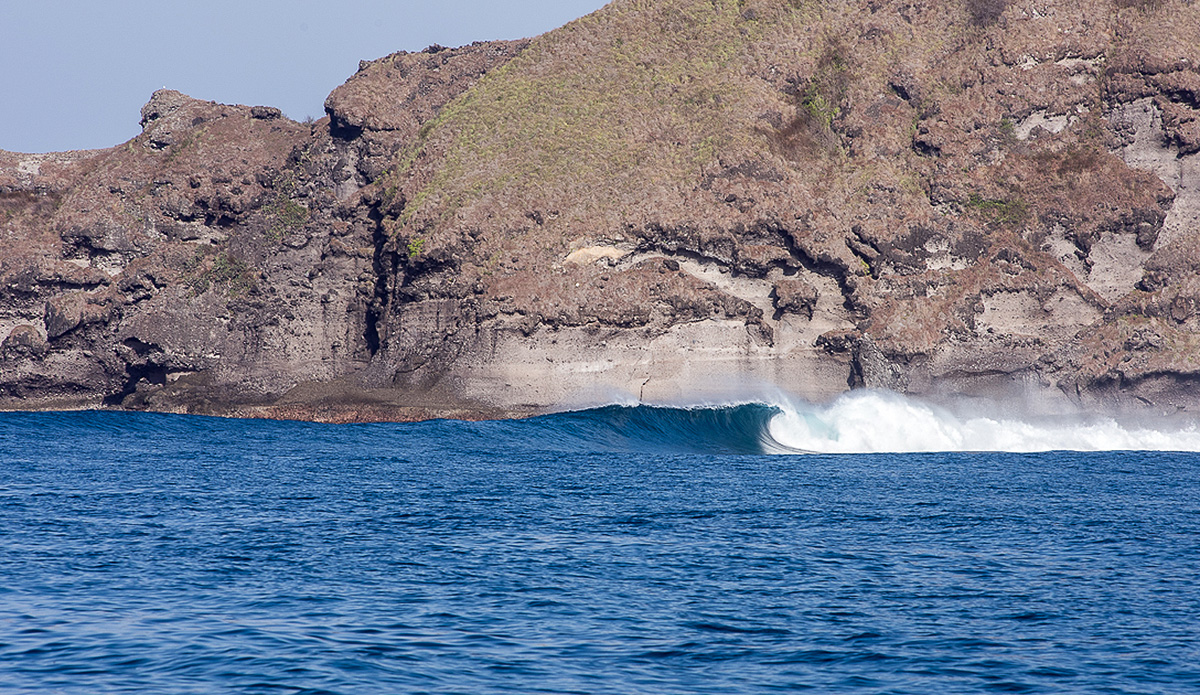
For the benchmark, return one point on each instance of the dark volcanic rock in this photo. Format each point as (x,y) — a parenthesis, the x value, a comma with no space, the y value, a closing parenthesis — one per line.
(795,296)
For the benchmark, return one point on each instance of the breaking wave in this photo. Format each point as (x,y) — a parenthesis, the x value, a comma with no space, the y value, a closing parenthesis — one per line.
(857,422)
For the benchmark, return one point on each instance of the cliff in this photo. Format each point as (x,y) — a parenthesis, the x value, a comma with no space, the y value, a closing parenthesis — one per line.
(663,200)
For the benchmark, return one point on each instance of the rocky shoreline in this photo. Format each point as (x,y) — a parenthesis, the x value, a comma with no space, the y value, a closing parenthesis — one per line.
(665,202)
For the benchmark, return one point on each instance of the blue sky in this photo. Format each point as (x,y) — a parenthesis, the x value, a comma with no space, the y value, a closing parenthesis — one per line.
(75,73)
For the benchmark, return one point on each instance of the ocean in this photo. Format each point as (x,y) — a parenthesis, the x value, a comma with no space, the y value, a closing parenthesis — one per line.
(624,549)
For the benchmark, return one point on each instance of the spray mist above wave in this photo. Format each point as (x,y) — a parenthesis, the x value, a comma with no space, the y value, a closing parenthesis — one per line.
(878,422)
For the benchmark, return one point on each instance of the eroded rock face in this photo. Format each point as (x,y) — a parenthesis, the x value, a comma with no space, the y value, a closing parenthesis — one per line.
(216,263)
(666,201)
(382,107)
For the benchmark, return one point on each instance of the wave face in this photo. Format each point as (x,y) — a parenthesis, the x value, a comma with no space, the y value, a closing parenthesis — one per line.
(858,422)
(730,429)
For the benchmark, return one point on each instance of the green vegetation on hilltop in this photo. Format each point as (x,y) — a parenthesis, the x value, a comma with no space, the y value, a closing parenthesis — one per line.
(637,90)
(644,104)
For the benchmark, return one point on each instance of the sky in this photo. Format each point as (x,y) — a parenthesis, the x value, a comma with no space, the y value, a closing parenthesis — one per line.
(74,74)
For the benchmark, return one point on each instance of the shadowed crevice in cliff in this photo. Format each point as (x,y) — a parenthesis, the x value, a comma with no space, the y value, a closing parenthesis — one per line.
(826,266)
(341,130)
(385,264)
(137,377)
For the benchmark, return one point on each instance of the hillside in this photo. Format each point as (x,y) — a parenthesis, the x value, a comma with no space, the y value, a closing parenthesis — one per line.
(663,200)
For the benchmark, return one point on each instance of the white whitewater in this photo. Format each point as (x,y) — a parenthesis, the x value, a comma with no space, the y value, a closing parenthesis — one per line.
(872,421)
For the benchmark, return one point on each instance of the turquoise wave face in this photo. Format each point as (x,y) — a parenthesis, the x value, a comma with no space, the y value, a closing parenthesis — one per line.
(739,429)
(734,429)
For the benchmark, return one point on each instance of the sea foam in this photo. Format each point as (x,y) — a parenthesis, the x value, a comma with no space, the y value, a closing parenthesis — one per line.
(874,421)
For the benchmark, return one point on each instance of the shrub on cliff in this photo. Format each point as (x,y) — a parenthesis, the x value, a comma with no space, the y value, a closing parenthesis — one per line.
(985,13)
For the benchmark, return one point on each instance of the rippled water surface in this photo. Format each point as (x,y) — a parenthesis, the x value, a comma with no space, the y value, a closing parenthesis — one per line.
(611,551)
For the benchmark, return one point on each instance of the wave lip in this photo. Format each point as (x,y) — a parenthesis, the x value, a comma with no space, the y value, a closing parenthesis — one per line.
(879,422)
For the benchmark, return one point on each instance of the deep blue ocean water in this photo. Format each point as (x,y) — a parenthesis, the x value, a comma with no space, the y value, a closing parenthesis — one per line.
(620,550)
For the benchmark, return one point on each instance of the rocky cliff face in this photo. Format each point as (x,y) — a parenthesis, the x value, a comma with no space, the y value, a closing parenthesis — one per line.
(663,200)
